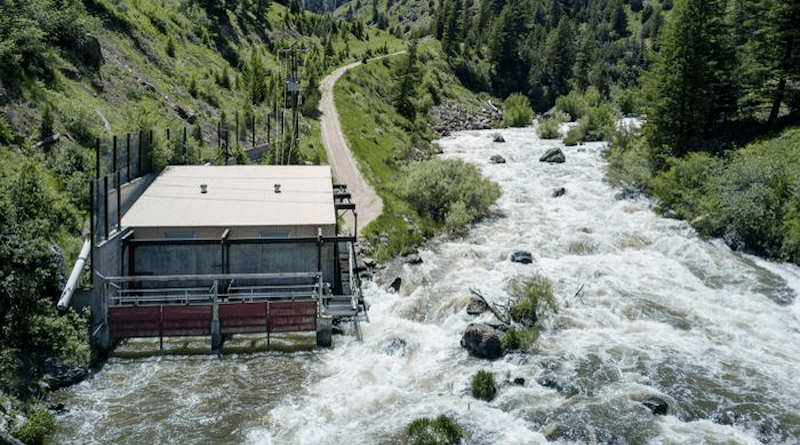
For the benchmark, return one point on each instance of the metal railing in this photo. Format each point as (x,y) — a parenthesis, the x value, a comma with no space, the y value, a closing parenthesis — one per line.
(130,290)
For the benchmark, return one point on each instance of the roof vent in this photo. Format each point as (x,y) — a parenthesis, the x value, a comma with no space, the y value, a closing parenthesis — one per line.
(277,188)
(203,188)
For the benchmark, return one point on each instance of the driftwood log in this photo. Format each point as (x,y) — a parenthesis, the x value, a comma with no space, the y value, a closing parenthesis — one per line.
(492,307)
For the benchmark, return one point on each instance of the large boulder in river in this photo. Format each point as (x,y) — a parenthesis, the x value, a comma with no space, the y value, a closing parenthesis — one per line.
(522,256)
(483,341)
(497,159)
(553,155)
(657,405)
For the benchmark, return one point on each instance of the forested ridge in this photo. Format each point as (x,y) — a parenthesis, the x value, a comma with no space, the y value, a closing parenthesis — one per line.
(715,83)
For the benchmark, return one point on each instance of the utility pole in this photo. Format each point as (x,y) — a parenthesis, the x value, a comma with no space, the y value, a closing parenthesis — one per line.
(292,57)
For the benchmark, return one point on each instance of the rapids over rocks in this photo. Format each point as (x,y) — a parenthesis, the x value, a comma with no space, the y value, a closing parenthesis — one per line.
(662,313)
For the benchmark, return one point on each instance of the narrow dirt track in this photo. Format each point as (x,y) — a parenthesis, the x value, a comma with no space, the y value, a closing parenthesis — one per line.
(368,204)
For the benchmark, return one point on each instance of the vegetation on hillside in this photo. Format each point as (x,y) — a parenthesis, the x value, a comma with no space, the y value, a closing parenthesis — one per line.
(388,130)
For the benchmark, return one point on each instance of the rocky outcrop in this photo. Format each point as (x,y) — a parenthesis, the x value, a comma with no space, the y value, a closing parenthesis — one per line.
(522,256)
(59,375)
(449,117)
(497,159)
(554,155)
(483,341)
(91,53)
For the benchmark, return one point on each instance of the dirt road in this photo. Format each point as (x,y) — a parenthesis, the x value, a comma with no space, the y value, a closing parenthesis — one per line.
(368,204)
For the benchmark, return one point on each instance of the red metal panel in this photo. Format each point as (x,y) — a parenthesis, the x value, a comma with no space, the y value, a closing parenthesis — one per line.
(293,316)
(179,320)
(187,320)
(237,318)
(134,321)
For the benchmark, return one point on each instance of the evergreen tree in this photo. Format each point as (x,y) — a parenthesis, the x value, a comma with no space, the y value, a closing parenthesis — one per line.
(510,65)
(408,77)
(775,40)
(690,84)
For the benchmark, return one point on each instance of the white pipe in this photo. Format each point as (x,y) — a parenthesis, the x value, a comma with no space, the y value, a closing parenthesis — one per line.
(69,289)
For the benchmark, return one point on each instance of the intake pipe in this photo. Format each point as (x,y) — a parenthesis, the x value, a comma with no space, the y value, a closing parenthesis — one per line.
(69,289)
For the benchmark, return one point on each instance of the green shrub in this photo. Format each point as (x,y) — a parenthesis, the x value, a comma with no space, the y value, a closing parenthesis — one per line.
(81,122)
(520,338)
(791,229)
(439,431)
(38,427)
(512,339)
(435,187)
(534,299)
(598,123)
(753,189)
(574,104)
(483,386)
(6,132)
(548,129)
(688,189)
(517,109)
(574,136)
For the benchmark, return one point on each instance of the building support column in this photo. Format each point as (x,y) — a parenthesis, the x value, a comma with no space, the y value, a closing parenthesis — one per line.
(216,337)
(324,332)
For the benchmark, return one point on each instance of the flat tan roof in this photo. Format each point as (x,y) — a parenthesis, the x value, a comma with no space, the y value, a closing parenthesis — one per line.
(237,195)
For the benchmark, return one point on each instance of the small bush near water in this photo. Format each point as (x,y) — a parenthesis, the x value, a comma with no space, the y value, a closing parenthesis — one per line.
(518,111)
(38,427)
(548,129)
(439,431)
(483,386)
(535,298)
(449,191)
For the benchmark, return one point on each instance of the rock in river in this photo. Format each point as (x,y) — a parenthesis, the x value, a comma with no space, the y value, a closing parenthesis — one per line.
(483,341)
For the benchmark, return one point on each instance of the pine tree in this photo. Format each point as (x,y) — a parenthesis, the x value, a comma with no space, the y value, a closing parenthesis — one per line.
(775,40)
(690,84)
(408,77)
(511,67)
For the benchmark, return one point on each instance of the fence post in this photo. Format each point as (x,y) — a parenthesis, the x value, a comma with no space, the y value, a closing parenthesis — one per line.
(128,175)
(97,159)
(140,149)
(119,202)
(114,155)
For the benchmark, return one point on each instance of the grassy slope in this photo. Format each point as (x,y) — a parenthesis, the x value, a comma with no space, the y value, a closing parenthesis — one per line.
(381,139)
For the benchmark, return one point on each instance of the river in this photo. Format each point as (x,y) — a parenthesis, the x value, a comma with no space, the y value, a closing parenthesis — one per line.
(662,312)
